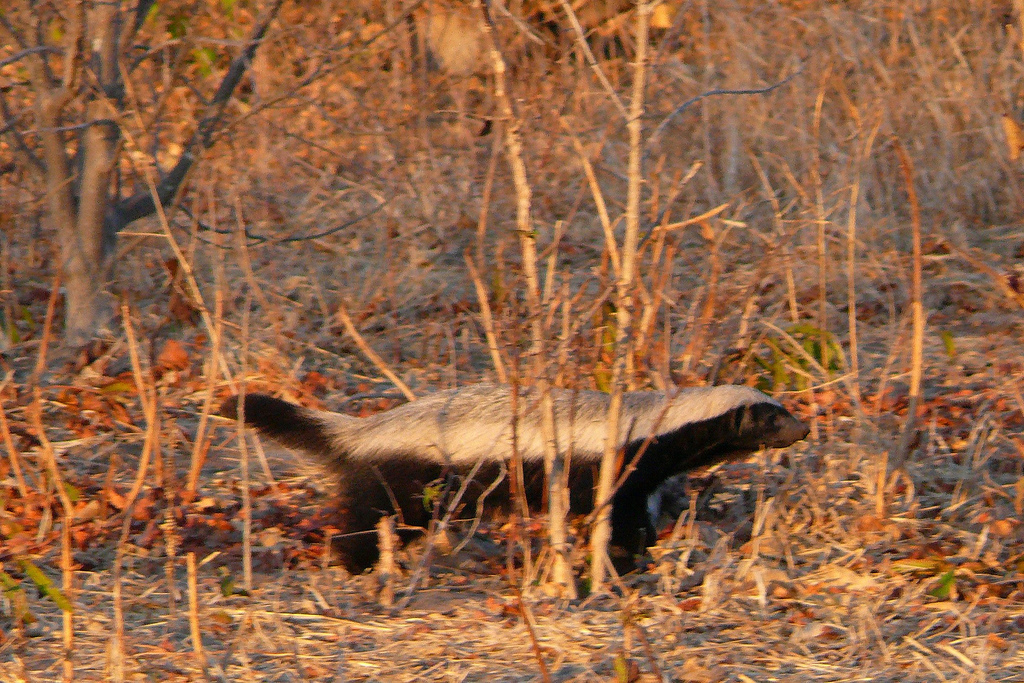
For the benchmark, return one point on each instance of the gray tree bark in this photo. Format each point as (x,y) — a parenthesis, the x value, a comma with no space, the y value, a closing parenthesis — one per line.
(83,206)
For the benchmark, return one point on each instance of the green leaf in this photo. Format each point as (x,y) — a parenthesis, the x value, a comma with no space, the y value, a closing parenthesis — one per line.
(73,492)
(431,494)
(11,330)
(177,26)
(204,58)
(45,586)
(621,669)
(227,582)
(949,343)
(16,596)
(608,324)
(945,588)
(8,582)
(118,387)
(154,10)
(26,315)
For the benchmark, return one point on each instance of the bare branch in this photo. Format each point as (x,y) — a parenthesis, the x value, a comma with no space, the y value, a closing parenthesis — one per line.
(711,93)
(260,239)
(29,51)
(141,204)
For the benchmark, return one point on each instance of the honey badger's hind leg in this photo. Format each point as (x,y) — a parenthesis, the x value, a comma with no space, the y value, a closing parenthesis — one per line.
(371,490)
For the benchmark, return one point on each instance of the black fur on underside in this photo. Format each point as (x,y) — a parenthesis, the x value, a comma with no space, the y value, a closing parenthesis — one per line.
(288,424)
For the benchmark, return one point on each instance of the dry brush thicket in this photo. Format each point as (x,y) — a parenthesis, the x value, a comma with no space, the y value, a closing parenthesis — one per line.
(366,199)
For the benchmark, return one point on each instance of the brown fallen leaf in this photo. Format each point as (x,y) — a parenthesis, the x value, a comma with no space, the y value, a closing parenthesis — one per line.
(173,356)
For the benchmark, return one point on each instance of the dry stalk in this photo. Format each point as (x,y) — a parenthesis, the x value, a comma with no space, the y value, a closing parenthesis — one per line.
(781,234)
(439,527)
(51,305)
(67,575)
(711,213)
(485,199)
(658,295)
(558,495)
(12,452)
(588,54)
(193,615)
(67,584)
(1017,395)
(385,570)
(147,397)
(549,276)
(172,539)
(622,370)
(851,263)
(695,349)
(478,516)
(116,652)
(7,290)
(243,456)
(184,264)
(645,642)
(488,321)
(371,354)
(201,445)
(998,278)
(853,383)
(602,208)
(902,450)
(1018,6)
(820,221)
(250,276)
(517,485)
(261,455)
(528,621)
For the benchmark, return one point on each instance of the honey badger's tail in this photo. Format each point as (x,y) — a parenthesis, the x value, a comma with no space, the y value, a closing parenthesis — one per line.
(287,423)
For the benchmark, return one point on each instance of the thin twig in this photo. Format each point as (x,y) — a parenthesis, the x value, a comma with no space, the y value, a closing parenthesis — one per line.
(622,368)
(371,354)
(51,306)
(588,54)
(711,93)
(148,400)
(193,615)
(527,615)
(12,452)
(902,450)
(558,497)
(487,319)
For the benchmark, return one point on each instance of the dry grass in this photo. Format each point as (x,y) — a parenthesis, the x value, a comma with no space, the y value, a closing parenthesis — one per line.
(812,564)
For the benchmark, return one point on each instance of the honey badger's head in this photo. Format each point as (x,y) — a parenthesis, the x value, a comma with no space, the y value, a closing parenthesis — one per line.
(765,425)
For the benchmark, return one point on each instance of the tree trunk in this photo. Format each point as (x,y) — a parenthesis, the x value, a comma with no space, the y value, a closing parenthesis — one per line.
(81,206)
(86,255)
